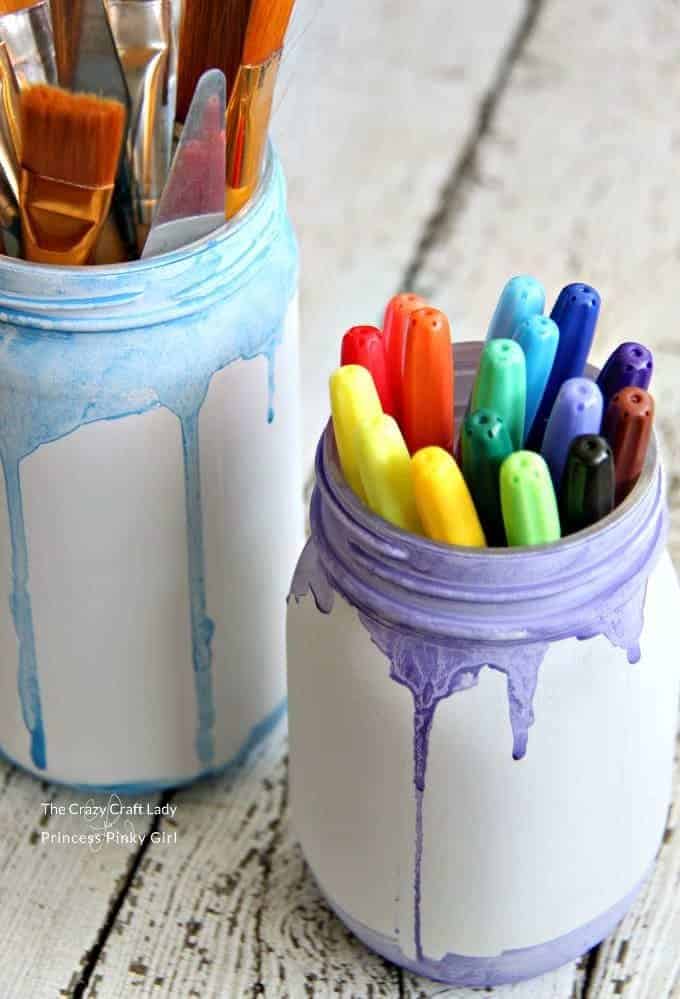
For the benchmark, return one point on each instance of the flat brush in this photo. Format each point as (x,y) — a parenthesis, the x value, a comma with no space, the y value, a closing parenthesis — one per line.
(71,149)
(211,37)
(250,102)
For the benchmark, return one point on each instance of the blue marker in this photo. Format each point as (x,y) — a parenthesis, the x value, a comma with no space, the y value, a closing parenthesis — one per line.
(538,337)
(575,312)
(522,297)
(577,411)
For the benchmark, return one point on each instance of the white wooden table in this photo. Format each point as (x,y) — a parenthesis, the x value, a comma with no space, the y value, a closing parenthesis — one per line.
(438,147)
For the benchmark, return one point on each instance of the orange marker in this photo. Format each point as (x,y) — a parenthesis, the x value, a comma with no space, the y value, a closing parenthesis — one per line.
(395,325)
(427,418)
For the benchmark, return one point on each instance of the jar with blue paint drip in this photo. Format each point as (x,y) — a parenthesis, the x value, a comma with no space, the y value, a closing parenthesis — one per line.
(149,438)
(481,740)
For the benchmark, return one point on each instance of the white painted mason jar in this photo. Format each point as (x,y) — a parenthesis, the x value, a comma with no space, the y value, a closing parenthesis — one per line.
(450,832)
(152,513)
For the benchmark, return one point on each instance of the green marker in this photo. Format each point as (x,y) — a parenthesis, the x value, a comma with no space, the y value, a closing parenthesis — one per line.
(486,444)
(528,500)
(501,386)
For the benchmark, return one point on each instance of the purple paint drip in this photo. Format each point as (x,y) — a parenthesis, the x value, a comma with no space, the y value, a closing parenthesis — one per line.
(441,614)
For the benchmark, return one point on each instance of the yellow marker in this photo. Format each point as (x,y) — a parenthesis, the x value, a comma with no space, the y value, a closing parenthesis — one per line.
(445,505)
(354,400)
(385,470)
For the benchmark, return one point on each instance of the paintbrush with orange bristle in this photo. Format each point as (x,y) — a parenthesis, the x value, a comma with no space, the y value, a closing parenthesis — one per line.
(71,149)
(211,37)
(250,101)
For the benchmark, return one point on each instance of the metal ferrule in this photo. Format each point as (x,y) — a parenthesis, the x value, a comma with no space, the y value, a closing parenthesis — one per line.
(28,36)
(145,37)
(248,117)
(61,222)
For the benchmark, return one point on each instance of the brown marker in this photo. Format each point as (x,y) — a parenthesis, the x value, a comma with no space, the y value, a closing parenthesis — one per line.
(628,428)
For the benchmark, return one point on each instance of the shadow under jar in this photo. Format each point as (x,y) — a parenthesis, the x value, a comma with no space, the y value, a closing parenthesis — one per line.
(481,740)
(152,511)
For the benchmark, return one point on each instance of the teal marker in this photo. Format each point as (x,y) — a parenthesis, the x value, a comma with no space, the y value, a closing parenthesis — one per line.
(538,336)
(528,500)
(523,296)
(501,386)
(485,444)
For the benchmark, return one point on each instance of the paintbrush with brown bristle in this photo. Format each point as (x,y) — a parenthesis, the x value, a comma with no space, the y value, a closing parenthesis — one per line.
(71,148)
(250,101)
(211,37)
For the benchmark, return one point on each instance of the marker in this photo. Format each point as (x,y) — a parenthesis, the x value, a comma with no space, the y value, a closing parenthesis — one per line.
(575,312)
(485,446)
(587,492)
(501,386)
(364,345)
(444,503)
(630,364)
(353,400)
(385,471)
(427,417)
(577,410)
(523,296)
(538,336)
(528,500)
(395,326)
(628,428)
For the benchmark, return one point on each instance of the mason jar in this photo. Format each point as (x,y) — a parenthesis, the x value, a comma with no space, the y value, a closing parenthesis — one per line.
(481,740)
(150,439)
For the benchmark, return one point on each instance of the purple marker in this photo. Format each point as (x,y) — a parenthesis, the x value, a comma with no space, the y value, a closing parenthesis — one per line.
(577,410)
(630,365)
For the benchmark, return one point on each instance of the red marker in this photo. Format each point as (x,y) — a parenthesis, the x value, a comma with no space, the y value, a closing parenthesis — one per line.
(627,426)
(428,382)
(364,345)
(395,325)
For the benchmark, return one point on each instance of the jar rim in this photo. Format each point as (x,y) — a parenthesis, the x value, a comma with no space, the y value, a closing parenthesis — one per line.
(451,590)
(231,229)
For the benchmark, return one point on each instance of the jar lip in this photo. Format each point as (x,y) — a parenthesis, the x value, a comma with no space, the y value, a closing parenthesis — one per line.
(523,593)
(229,230)
(365,516)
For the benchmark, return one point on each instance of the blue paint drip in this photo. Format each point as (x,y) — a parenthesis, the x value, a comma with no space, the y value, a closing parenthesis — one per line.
(53,383)
(202,627)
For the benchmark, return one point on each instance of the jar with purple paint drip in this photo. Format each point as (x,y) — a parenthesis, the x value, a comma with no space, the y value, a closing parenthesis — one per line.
(481,740)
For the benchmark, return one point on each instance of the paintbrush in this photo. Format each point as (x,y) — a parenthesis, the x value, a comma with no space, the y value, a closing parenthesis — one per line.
(211,37)
(144,34)
(67,22)
(10,154)
(71,150)
(250,100)
(26,30)
(89,61)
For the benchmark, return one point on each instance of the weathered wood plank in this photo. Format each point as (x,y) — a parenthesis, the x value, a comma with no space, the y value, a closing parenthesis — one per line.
(371,116)
(577,180)
(643,957)
(54,895)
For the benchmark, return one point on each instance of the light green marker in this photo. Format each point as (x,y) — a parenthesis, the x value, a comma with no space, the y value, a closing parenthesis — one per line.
(501,386)
(528,500)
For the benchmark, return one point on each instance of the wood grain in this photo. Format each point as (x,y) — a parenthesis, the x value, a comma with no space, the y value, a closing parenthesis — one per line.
(55,896)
